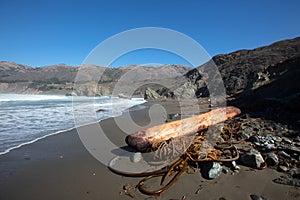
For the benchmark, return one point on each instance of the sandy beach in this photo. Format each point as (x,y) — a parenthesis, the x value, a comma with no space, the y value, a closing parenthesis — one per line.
(60,167)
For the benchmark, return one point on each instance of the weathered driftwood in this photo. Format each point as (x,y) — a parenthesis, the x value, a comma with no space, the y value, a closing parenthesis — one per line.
(144,139)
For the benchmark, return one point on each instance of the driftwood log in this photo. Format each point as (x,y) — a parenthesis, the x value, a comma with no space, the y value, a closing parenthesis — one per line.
(144,139)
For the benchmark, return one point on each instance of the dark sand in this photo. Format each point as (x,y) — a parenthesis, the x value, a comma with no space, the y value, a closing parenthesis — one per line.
(59,167)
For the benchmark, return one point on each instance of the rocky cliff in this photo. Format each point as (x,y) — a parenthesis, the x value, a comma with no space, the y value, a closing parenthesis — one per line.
(240,72)
(245,70)
(263,81)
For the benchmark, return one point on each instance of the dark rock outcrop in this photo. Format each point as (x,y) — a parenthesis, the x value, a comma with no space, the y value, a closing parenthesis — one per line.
(245,70)
(151,94)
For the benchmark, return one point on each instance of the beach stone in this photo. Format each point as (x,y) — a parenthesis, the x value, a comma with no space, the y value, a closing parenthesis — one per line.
(286,140)
(211,170)
(272,159)
(245,136)
(257,144)
(295,172)
(269,146)
(225,171)
(235,166)
(232,165)
(277,139)
(283,154)
(136,157)
(253,138)
(282,168)
(255,197)
(248,130)
(174,116)
(252,159)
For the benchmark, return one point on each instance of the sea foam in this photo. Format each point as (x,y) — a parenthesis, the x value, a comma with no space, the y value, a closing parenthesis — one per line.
(25,119)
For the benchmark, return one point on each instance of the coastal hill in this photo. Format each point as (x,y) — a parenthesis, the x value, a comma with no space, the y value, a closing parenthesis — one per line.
(246,70)
(270,71)
(263,82)
(243,72)
(59,79)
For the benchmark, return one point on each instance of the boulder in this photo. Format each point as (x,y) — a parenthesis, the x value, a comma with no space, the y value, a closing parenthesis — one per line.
(252,159)
(151,94)
(211,170)
(272,159)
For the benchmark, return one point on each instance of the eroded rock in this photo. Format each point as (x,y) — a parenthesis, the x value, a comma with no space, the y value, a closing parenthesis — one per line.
(211,170)
(252,159)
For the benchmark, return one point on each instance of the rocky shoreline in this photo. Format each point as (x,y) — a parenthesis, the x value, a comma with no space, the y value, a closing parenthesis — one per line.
(272,143)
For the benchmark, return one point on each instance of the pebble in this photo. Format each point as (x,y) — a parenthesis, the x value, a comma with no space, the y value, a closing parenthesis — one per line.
(235,167)
(136,157)
(252,159)
(211,170)
(255,129)
(277,139)
(286,140)
(278,127)
(295,172)
(272,159)
(277,144)
(248,131)
(173,116)
(257,144)
(245,136)
(283,168)
(225,171)
(269,146)
(255,197)
(253,138)
(233,163)
(283,154)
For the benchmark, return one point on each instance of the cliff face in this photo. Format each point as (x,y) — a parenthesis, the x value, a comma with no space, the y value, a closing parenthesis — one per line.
(245,70)
(263,81)
(276,94)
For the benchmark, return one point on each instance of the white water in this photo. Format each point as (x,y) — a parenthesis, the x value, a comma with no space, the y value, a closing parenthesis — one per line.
(27,118)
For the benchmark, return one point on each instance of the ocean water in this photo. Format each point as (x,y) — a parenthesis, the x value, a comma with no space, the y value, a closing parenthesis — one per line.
(27,118)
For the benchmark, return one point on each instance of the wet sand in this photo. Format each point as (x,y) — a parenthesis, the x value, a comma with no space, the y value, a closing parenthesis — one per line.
(60,167)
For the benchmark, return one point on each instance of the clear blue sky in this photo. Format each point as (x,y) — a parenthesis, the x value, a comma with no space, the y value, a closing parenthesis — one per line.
(39,33)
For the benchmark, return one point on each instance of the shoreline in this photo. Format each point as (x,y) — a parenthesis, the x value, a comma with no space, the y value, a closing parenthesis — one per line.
(60,167)
(35,140)
(58,131)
